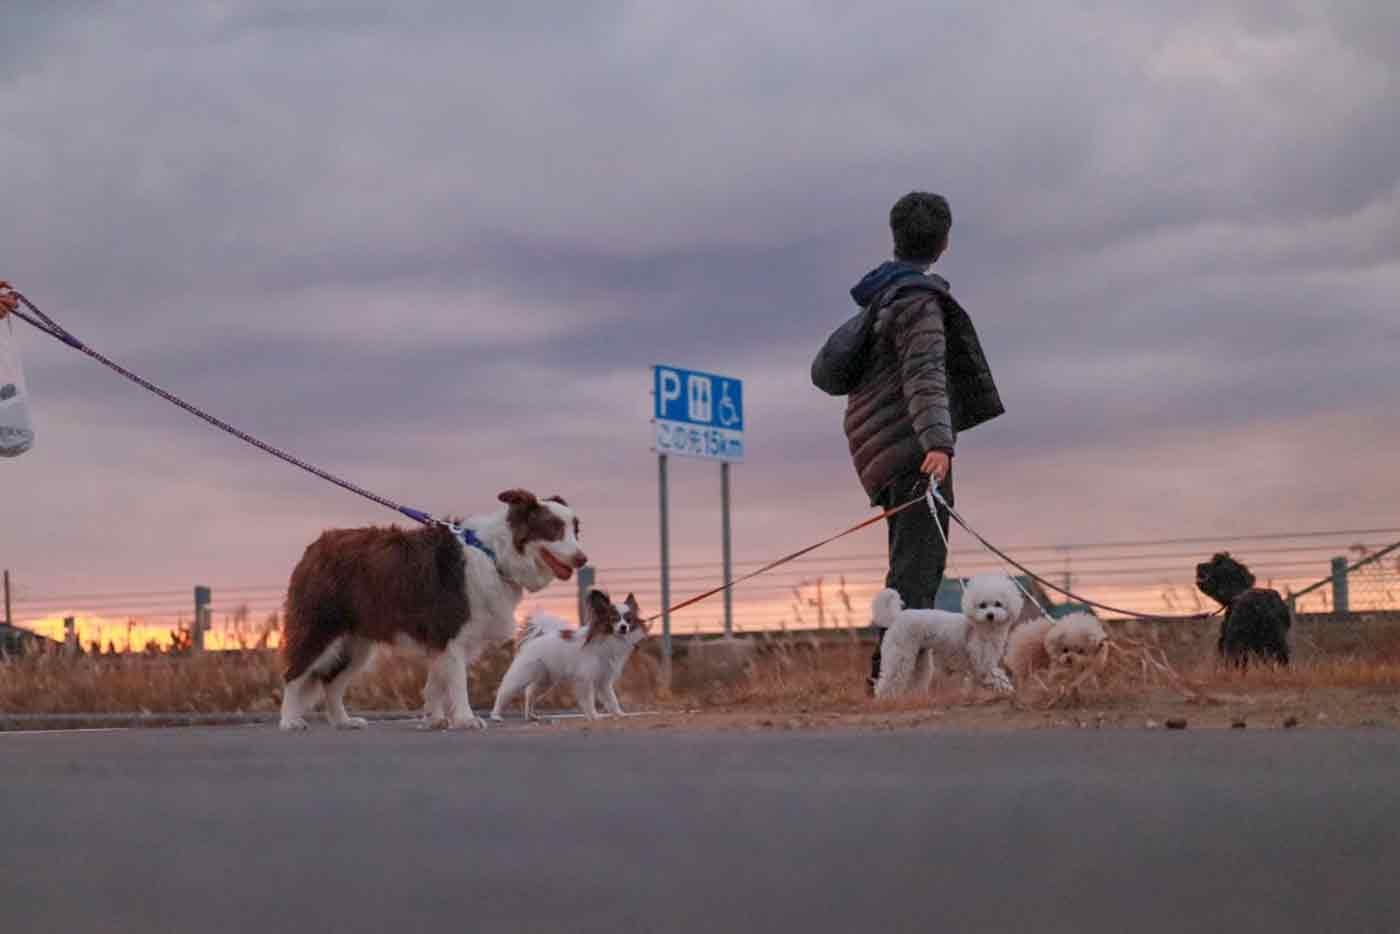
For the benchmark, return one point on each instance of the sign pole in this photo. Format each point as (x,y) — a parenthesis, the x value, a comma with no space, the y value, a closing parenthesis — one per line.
(665,573)
(586,577)
(698,415)
(728,564)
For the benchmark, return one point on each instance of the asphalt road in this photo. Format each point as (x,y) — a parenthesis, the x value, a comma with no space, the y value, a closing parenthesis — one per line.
(545,829)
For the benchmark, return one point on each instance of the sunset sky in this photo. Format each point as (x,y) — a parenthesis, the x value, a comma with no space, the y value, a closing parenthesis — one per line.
(436,247)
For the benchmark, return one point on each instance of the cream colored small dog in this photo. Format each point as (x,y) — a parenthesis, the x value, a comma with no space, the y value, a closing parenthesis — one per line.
(1064,647)
(1025,649)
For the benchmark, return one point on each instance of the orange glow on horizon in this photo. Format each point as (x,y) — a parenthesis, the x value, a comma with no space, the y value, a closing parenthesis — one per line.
(798,608)
(134,634)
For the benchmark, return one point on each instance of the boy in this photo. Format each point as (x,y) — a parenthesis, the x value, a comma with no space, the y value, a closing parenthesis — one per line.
(925,379)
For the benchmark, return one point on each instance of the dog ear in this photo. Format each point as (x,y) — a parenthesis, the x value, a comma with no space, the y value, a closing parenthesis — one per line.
(600,615)
(599,605)
(633,606)
(522,498)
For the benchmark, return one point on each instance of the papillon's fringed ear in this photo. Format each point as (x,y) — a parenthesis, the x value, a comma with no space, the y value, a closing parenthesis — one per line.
(631,604)
(599,603)
(519,498)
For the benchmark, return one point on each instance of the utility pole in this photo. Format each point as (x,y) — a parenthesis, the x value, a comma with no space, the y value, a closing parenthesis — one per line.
(9,620)
(1341,602)
(201,618)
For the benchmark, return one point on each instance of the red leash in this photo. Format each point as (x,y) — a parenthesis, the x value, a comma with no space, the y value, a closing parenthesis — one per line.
(787,558)
(1049,585)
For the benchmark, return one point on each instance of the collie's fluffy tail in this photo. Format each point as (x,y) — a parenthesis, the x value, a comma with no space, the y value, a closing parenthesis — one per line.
(885,608)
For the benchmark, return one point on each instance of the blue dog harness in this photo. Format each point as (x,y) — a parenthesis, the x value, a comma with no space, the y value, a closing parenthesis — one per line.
(468,537)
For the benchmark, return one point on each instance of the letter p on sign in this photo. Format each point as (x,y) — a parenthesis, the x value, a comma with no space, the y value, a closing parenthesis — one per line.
(670,389)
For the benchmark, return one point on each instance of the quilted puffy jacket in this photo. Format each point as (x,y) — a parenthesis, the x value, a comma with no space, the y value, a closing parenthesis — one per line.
(926,379)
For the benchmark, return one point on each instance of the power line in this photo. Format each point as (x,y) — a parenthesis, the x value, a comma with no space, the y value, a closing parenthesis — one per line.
(1079,546)
(267,599)
(1145,578)
(781,580)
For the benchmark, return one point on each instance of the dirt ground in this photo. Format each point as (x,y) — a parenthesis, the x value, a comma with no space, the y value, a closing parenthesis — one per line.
(1342,677)
(1159,709)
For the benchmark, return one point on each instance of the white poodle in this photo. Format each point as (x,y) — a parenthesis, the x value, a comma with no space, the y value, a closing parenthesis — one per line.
(1064,646)
(918,642)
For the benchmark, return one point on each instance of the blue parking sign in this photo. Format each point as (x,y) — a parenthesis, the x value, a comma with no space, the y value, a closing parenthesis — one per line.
(698,414)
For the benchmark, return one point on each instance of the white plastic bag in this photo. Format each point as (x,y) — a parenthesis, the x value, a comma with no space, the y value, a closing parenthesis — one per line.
(16,428)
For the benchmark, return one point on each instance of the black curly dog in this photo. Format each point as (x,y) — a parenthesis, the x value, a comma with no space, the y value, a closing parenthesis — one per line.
(1256,620)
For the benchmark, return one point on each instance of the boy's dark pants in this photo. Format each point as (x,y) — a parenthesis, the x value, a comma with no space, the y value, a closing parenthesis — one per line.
(917,553)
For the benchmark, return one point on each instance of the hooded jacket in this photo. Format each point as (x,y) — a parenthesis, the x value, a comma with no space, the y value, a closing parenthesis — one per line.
(926,379)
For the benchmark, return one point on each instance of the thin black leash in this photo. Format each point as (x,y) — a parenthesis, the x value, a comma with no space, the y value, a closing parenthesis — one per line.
(52,328)
(1195,617)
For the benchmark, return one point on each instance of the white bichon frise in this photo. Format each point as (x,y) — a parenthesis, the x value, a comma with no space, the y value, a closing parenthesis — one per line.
(918,642)
(1065,646)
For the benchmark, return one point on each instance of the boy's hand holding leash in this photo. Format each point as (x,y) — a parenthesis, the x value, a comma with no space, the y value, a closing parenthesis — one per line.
(936,464)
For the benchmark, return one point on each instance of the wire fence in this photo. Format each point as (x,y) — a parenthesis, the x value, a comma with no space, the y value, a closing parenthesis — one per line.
(1367,580)
(829,590)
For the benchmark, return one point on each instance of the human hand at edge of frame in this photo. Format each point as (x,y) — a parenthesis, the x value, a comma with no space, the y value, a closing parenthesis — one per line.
(936,465)
(8,302)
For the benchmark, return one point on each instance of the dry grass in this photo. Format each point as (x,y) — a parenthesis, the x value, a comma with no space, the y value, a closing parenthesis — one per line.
(234,682)
(221,682)
(1346,675)
(1349,674)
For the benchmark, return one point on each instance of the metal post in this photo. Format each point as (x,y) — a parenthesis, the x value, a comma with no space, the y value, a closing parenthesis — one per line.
(9,620)
(728,563)
(201,617)
(1340,599)
(665,573)
(586,577)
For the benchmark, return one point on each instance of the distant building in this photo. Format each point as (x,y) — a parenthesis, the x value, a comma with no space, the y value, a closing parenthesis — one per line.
(16,640)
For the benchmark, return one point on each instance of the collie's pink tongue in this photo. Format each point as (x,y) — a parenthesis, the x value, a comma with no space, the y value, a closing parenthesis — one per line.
(560,569)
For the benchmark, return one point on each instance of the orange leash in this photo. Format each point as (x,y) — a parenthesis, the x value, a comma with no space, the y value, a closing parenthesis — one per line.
(787,558)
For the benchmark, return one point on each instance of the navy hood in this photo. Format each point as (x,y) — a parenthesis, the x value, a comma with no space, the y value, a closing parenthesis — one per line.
(882,275)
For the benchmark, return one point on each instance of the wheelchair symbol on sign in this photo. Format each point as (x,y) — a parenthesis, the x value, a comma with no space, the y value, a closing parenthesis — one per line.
(728,412)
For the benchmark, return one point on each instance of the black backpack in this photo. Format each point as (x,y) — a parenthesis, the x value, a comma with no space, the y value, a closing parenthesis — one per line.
(839,365)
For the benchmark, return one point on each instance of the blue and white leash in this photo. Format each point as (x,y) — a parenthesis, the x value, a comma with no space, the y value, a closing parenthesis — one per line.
(469,538)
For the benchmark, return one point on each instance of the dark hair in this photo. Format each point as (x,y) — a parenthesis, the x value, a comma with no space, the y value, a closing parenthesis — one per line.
(920,222)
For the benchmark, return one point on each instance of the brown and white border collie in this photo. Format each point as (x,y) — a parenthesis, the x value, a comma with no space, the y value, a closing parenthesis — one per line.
(424,590)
